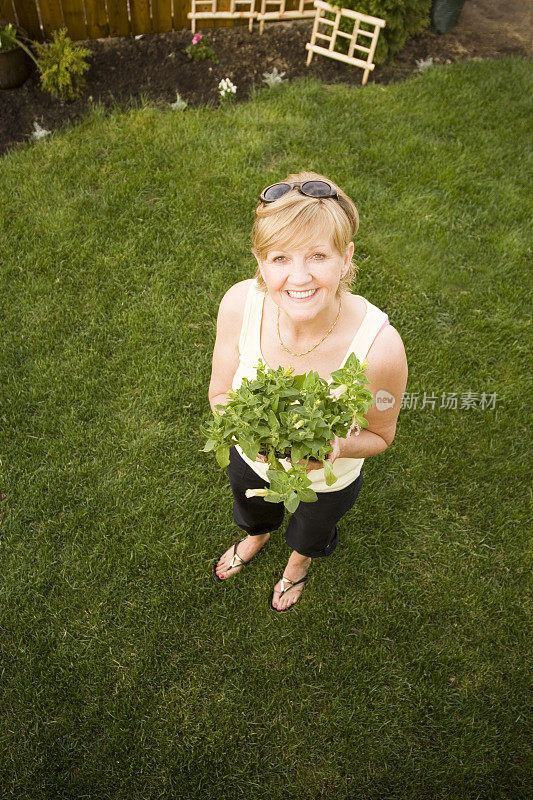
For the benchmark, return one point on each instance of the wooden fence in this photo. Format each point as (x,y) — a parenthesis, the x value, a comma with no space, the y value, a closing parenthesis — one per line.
(94,19)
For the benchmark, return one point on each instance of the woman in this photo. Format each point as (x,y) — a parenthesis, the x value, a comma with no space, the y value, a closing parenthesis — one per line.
(299,311)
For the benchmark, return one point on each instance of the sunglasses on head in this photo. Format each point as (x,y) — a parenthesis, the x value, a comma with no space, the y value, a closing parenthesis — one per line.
(309,188)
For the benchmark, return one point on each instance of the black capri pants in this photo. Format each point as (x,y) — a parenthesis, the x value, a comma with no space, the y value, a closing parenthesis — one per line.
(312,530)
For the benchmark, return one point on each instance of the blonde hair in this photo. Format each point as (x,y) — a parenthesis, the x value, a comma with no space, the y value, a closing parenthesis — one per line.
(296,220)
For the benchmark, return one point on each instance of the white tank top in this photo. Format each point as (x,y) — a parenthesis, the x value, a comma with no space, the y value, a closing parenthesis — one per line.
(346,469)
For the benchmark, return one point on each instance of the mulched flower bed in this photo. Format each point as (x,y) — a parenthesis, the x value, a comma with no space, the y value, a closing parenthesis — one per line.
(157,66)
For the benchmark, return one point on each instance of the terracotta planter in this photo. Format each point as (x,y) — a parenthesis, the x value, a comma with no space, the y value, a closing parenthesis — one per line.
(15,67)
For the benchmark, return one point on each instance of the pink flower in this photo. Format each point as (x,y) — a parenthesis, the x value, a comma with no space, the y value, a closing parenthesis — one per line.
(196,38)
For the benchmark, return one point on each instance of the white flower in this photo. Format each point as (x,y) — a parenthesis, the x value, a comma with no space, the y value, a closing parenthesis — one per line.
(274,77)
(338,392)
(226,88)
(256,492)
(39,132)
(180,103)
(354,427)
(422,65)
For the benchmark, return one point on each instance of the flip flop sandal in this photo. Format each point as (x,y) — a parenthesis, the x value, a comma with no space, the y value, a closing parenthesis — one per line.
(292,583)
(236,560)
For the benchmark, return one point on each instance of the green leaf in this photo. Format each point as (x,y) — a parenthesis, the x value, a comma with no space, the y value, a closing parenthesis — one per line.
(209,445)
(251,449)
(292,503)
(298,381)
(274,463)
(272,497)
(272,420)
(307,495)
(277,479)
(316,447)
(262,431)
(222,456)
(298,451)
(329,474)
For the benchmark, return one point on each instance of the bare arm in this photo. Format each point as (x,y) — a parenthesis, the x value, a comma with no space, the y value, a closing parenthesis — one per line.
(387,377)
(226,350)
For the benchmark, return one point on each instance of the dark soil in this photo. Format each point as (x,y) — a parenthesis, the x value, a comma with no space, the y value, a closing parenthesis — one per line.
(156,65)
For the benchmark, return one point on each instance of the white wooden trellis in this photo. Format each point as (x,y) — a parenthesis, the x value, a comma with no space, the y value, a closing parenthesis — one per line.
(208,9)
(331,37)
(305,9)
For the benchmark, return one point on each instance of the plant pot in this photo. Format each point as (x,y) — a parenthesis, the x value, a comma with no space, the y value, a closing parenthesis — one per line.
(444,14)
(15,67)
(286,454)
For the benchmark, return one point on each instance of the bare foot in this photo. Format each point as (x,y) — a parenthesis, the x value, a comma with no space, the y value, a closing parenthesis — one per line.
(297,568)
(245,550)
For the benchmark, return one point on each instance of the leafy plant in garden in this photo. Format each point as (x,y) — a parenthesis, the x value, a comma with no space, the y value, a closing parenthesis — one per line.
(38,131)
(226,90)
(404,18)
(61,64)
(273,78)
(199,50)
(180,103)
(12,35)
(293,417)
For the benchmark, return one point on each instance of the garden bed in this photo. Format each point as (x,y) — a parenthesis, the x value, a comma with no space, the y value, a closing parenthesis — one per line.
(156,66)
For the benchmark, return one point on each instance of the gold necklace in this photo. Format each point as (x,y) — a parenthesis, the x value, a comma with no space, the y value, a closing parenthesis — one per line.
(316,345)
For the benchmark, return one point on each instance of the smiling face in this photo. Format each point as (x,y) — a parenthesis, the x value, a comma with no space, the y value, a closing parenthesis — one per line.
(303,280)
(305,243)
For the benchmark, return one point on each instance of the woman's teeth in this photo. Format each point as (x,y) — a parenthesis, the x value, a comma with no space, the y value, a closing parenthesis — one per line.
(299,295)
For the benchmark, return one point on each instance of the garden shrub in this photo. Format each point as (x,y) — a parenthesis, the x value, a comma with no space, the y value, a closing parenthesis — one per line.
(62,64)
(403,17)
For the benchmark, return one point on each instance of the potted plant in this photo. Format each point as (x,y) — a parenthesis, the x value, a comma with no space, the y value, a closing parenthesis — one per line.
(445,13)
(15,55)
(286,416)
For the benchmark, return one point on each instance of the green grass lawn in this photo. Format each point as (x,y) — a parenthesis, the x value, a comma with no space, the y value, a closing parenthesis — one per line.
(126,671)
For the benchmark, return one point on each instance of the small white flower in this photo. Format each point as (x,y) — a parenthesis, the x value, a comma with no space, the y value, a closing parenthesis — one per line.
(338,392)
(274,77)
(39,133)
(354,427)
(256,492)
(180,103)
(422,65)
(226,88)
